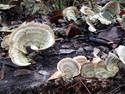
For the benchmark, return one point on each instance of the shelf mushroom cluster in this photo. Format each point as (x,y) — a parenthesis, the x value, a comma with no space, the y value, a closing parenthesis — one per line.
(34,35)
(105,15)
(68,68)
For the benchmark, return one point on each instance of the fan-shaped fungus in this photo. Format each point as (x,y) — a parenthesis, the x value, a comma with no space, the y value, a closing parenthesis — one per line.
(69,68)
(81,59)
(121,53)
(34,35)
(110,10)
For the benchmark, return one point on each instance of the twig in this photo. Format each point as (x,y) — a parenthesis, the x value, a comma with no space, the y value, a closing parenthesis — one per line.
(85,86)
(2,72)
(73,85)
(116,89)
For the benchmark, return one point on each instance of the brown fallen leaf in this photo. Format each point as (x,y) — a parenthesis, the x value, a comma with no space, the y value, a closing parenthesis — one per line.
(55,19)
(72,30)
(122,13)
(57,15)
(57,12)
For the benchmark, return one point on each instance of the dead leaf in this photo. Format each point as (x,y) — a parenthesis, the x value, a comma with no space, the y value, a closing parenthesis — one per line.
(122,13)
(57,15)
(57,12)
(73,30)
(55,19)
(113,35)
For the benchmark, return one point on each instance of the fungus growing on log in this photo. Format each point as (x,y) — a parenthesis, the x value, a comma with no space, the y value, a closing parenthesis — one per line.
(34,35)
(69,68)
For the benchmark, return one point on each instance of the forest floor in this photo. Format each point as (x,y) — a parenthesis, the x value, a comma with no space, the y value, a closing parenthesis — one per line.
(34,79)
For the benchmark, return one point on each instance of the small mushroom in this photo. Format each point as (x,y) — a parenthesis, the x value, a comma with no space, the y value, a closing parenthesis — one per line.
(110,10)
(70,13)
(69,68)
(121,53)
(34,35)
(81,59)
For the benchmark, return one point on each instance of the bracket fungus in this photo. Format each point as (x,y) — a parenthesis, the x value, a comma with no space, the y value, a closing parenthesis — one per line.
(34,35)
(121,53)
(103,69)
(88,70)
(81,59)
(123,21)
(70,13)
(105,14)
(69,68)
(88,17)
(111,61)
(110,10)
(91,17)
